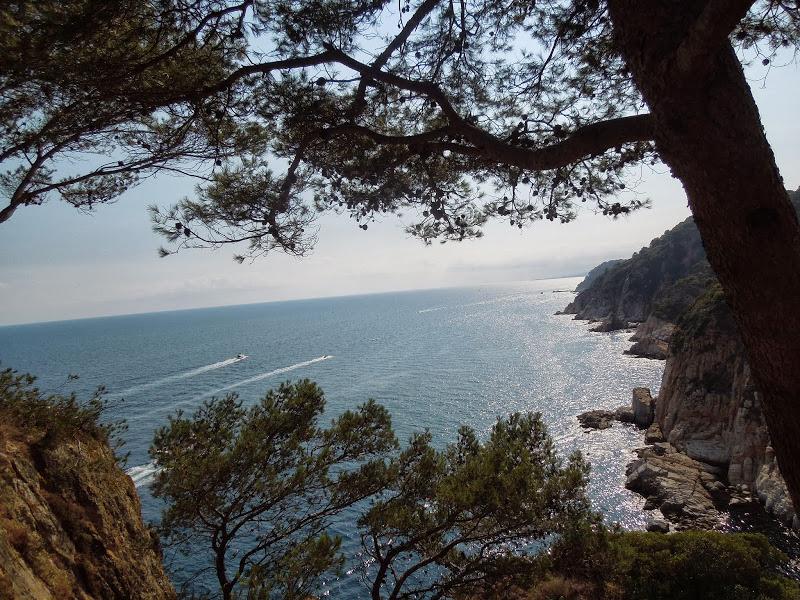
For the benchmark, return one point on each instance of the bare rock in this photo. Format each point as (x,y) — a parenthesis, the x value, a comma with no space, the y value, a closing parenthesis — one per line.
(744,503)
(643,407)
(772,490)
(70,522)
(652,338)
(624,414)
(610,323)
(596,419)
(658,525)
(651,503)
(708,406)
(689,493)
(653,434)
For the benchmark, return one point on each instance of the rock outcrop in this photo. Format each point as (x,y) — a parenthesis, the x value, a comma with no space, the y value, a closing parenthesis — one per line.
(708,429)
(651,339)
(688,492)
(596,419)
(595,273)
(643,407)
(708,407)
(70,522)
(628,290)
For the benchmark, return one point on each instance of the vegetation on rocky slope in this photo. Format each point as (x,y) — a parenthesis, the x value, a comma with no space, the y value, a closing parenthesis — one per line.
(629,289)
(710,305)
(595,273)
(707,408)
(613,565)
(662,279)
(70,519)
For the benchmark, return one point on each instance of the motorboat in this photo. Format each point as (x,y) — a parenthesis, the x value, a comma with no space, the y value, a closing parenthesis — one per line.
(241,356)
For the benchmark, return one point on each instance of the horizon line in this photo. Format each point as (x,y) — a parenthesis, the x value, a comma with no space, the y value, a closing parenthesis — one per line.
(298,299)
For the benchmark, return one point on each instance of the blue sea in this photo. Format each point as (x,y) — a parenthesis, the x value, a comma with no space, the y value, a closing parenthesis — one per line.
(435,358)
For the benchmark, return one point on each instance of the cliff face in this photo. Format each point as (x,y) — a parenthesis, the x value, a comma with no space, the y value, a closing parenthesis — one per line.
(711,444)
(70,521)
(629,290)
(661,280)
(595,273)
(708,407)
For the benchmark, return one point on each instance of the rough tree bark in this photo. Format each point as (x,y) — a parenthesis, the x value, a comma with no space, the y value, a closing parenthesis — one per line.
(708,130)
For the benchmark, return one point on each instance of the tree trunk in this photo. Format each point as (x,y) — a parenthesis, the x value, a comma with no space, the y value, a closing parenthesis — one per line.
(709,132)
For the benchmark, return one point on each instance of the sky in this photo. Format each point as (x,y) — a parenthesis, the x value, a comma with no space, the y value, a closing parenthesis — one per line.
(57,263)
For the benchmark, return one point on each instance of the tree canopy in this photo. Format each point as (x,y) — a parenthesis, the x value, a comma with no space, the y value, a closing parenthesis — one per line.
(454,112)
(258,489)
(459,521)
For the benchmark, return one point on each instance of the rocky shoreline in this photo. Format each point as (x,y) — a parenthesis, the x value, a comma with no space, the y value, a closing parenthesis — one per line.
(707,446)
(708,449)
(688,493)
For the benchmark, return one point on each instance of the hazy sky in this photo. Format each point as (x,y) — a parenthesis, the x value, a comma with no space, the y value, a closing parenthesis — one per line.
(56,263)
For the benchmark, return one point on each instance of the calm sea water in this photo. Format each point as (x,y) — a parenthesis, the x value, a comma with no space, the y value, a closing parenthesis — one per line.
(435,359)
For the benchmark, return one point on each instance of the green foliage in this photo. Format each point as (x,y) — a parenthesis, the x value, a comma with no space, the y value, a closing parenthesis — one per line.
(596,272)
(710,565)
(258,486)
(96,95)
(676,254)
(692,565)
(675,298)
(710,307)
(453,522)
(519,111)
(56,417)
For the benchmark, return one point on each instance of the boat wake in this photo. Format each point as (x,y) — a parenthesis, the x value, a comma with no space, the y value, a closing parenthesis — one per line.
(261,376)
(471,304)
(149,411)
(179,376)
(142,474)
(434,309)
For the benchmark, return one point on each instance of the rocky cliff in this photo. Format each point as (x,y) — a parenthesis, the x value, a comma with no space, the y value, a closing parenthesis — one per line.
(711,447)
(709,409)
(630,289)
(70,519)
(660,281)
(595,273)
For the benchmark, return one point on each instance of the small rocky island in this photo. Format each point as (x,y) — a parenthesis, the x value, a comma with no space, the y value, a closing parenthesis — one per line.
(708,448)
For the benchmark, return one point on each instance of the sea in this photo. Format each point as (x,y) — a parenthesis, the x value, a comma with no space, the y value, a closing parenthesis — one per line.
(436,359)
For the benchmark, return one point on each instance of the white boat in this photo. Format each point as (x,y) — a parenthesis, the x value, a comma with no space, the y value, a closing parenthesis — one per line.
(241,356)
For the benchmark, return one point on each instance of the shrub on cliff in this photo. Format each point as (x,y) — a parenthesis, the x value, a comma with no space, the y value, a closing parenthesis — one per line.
(54,415)
(691,565)
(708,308)
(257,486)
(458,521)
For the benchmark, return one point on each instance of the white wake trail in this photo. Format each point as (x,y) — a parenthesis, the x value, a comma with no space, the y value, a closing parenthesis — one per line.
(261,376)
(427,310)
(179,376)
(142,474)
(471,304)
(149,411)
